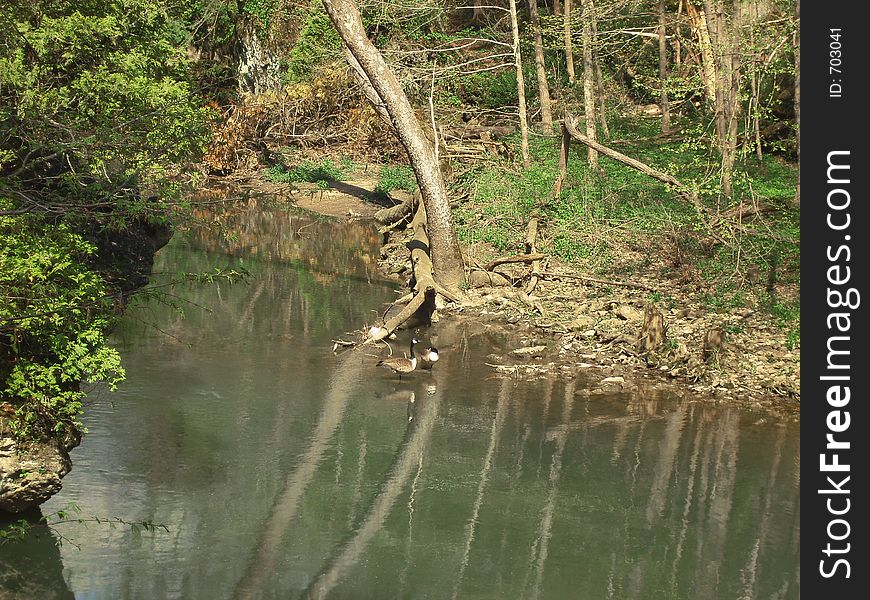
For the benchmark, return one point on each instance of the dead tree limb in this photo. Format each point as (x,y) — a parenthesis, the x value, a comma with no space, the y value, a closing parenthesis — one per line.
(584,278)
(522,258)
(393,214)
(682,189)
(425,287)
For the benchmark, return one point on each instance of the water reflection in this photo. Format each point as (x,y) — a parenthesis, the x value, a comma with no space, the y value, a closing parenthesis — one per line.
(285,471)
(32,568)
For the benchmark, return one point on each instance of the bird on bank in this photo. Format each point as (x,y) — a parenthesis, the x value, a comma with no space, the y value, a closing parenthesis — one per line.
(428,357)
(402,365)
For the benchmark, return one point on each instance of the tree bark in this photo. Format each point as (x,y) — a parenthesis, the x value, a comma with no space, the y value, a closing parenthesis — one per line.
(589,82)
(599,80)
(521,88)
(541,69)
(725,43)
(663,70)
(569,47)
(698,23)
(445,252)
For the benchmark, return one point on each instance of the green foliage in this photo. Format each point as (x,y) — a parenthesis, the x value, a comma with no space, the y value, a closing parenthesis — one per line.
(318,43)
(309,171)
(96,105)
(102,83)
(17,531)
(262,9)
(396,177)
(54,313)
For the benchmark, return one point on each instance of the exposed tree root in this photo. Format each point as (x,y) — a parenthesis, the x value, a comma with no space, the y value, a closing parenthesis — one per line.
(425,289)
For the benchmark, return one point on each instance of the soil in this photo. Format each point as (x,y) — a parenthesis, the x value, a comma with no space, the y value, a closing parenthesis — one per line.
(571,321)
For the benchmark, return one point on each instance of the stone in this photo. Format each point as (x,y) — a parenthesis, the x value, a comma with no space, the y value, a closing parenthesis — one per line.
(628,313)
(30,471)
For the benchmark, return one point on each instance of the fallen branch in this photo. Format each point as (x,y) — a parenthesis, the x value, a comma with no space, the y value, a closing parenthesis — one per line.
(424,286)
(522,258)
(402,316)
(394,214)
(585,278)
(682,189)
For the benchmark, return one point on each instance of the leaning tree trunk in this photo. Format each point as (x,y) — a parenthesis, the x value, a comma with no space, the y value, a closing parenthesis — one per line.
(569,46)
(446,256)
(663,70)
(541,69)
(589,82)
(521,88)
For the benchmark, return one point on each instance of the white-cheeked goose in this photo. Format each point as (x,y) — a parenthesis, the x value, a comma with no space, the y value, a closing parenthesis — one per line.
(401,365)
(428,357)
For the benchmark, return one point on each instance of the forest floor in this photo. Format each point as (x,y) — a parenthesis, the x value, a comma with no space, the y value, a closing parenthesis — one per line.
(572,320)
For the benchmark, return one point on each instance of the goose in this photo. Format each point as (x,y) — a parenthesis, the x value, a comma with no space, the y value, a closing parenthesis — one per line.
(428,357)
(401,365)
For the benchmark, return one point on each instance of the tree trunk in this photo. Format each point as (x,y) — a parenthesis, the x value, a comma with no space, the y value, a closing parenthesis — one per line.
(663,70)
(599,80)
(557,7)
(521,88)
(445,252)
(589,82)
(698,23)
(569,47)
(725,43)
(541,69)
(678,53)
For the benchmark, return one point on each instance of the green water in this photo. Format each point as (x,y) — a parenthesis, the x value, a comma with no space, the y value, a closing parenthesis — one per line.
(282,470)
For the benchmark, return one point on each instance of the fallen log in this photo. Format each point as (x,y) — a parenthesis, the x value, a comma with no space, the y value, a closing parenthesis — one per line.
(477,131)
(394,214)
(681,188)
(424,288)
(586,279)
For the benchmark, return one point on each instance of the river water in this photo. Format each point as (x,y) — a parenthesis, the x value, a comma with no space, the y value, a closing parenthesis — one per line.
(283,470)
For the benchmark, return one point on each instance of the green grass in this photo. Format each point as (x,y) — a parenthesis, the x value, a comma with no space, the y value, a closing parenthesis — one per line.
(396,177)
(597,214)
(309,171)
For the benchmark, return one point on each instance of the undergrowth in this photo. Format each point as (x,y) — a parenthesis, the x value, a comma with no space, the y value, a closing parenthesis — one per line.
(619,220)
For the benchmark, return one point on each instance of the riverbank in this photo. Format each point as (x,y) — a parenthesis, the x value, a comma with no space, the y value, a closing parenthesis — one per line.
(573,320)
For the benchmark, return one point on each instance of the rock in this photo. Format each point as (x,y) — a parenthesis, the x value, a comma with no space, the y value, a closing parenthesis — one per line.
(582,323)
(530,351)
(487,278)
(612,380)
(30,472)
(628,313)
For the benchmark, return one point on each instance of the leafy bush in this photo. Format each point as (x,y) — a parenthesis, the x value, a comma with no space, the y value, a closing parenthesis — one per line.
(318,43)
(95,105)
(54,315)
